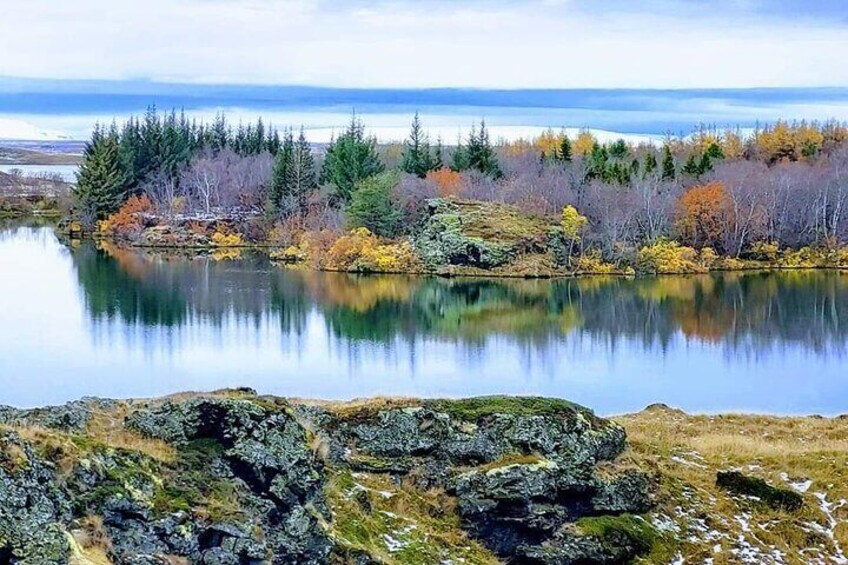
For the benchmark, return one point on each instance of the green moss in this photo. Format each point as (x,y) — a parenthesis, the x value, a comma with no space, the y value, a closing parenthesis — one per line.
(472,409)
(174,498)
(649,544)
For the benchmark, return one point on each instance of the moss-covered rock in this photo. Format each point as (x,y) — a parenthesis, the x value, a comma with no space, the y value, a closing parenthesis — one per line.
(260,480)
(480,234)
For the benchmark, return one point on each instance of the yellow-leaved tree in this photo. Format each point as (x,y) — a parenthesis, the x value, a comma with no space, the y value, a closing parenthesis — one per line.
(573,223)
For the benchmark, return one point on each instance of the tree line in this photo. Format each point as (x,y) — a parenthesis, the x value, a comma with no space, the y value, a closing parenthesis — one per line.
(785,183)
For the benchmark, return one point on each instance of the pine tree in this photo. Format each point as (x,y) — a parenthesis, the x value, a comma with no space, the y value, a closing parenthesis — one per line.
(619,149)
(280,198)
(416,158)
(481,155)
(596,164)
(634,168)
(301,176)
(350,158)
(460,159)
(668,169)
(692,167)
(564,154)
(100,180)
(220,133)
(438,155)
(650,163)
(371,205)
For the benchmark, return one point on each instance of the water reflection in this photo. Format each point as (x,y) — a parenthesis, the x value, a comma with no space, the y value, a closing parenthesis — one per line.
(749,311)
(81,318)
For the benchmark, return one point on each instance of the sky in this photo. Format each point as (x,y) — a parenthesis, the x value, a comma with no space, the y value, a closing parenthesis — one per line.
(430,43)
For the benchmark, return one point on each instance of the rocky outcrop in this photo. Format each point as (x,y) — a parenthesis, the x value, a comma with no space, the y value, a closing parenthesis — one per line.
(236,478)
(482,235)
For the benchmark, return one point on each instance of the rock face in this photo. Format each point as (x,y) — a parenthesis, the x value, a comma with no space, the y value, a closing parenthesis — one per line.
(235,478)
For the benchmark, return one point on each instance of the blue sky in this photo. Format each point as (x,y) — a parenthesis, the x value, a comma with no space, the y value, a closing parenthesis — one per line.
(429,43)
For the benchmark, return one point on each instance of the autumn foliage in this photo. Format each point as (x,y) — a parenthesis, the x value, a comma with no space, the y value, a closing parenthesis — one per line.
(127,221)
(362,251)
(448,182)
(704,213)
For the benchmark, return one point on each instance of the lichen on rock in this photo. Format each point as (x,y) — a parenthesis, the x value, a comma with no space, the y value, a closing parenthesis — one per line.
(262,480)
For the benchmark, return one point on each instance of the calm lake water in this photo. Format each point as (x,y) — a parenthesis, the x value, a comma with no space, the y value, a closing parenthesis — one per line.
(78,320)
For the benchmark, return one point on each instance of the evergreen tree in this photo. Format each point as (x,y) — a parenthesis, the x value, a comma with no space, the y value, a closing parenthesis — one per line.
(130,151)
(619,149)
(301,176)
(460,159)
(668,169)
(564,154)
(692,167)
(416,158)
(481,155)
(100,181)
(596,164)
(438,155)
(220,133)
(371,205)
(273,142)
(281,199)
(650,163)
(350,158)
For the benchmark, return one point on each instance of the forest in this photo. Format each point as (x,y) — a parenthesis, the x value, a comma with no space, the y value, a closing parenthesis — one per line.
(712,199)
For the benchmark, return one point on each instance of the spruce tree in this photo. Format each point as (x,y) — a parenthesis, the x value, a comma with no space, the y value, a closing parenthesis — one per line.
(692,167)
(371,205)
(460,159)
(650,163)
(280,198)
(349,159)
(564,154)
(438,155)
(301,175)
(416,158)
(596,164)
(619,149)
(668,169)
(100,181)
(481,155)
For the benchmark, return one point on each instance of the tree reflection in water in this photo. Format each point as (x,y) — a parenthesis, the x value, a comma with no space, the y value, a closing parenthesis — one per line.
(747,310)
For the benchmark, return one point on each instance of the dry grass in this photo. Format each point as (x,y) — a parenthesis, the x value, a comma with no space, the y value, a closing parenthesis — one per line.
(91,544)
(107,427)
(687,451)
(359,408)
(398,525)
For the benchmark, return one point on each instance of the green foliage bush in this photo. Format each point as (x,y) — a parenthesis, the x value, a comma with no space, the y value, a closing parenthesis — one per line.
(371,205)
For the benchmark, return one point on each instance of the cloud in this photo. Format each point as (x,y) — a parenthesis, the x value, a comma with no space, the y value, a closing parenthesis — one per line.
(527,44)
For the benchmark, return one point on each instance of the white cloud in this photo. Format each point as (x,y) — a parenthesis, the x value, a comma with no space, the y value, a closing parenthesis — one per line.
(545,43)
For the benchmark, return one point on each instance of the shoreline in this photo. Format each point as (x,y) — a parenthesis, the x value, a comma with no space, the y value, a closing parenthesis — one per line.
(458,271)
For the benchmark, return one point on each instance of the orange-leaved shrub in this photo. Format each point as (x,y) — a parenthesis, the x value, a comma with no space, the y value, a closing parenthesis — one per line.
(127,221)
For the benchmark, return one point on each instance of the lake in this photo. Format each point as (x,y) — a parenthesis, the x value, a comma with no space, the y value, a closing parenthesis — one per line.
(80,320)
(67,173)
